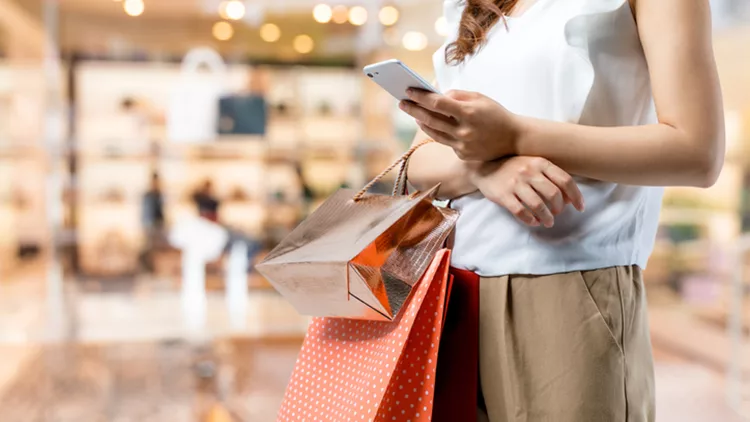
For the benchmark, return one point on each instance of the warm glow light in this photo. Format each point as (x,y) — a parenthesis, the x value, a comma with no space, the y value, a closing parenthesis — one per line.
(322,13)
(357,15)
(441,26)
(414,41)
(234,10)
(223,31)
(340,14)
(134,7)
(388,15)
(223,9)
(303,44)
(270,32)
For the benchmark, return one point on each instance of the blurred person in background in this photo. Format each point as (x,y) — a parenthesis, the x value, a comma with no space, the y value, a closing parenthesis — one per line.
(206,202)
(555,103)
(152,218)
(308,194)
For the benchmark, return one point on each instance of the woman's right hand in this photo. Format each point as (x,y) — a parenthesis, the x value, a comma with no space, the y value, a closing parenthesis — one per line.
(531,188)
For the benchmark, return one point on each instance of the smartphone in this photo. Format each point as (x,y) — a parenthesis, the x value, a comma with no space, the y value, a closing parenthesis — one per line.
(396,77)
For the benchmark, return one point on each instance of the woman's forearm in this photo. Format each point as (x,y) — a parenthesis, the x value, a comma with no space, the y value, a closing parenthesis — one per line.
(687,146)
(651,155)
(435,163)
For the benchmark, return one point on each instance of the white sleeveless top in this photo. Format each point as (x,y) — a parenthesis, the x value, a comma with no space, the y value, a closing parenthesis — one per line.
(576,61)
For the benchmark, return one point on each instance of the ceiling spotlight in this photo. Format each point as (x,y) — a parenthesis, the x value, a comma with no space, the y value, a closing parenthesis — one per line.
(270,32)
(235,10)
(414,41)
(303,44)
(322,13)
(222,31)
(388,15)
(357,15)
(441,26)
(340,14)
(134,7)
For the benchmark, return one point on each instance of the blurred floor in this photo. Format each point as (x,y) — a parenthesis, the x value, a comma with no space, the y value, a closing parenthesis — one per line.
(146,382)
(688,392)
(126,358)
(169,381)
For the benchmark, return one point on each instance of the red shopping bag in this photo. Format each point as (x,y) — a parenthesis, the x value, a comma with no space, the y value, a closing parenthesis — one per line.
(350,370)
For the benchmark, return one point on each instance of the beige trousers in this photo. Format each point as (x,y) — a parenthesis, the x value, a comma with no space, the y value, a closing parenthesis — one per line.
(571,347)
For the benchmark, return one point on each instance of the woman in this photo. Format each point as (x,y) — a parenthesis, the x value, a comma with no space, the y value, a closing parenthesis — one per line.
(625,96)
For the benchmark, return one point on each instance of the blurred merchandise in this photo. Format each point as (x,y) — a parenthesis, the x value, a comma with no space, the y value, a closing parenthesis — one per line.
(115,255)
(242,115)
(28,251)
(194,108)
(113,195)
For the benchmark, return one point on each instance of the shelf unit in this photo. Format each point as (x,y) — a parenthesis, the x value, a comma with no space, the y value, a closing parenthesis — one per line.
(24,165)
(312,128)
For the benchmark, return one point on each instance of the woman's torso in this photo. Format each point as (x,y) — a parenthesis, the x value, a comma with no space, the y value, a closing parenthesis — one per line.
(577,61)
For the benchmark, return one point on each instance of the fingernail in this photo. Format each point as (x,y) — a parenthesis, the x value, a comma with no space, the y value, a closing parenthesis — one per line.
(402,106)
(409,92)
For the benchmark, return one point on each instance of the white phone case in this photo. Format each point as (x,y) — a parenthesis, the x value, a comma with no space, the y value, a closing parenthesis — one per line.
(395,77)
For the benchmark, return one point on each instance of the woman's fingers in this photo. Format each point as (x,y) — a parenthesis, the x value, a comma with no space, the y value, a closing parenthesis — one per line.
(438,136)
(439,103)
(519,210)
(429,118)
(531,199)
(566,183)
(550,193)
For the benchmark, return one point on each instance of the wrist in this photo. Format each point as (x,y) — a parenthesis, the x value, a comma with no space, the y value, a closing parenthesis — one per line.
(471,170)
(522,131)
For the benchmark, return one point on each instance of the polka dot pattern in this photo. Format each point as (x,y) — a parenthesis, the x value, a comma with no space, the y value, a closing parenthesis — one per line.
(351,370)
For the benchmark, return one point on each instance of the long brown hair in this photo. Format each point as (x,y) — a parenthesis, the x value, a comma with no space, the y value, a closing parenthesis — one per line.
(478,18)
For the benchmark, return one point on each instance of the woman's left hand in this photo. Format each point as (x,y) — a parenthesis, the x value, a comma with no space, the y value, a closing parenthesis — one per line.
(475,126)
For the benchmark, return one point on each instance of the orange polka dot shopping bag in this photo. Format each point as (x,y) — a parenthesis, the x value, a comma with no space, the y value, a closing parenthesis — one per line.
(354,370)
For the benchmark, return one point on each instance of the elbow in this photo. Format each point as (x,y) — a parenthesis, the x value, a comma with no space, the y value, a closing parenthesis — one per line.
(708,175)
(709,164)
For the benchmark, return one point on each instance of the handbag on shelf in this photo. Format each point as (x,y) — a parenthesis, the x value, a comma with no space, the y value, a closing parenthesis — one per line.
(193,111)
(243,115)
(360,255)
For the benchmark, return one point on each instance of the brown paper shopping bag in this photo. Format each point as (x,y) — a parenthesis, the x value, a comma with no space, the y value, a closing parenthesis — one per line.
(358,255)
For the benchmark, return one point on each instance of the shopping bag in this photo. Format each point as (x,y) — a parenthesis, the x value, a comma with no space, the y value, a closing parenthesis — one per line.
(359,255)
(354,370)
(193,113)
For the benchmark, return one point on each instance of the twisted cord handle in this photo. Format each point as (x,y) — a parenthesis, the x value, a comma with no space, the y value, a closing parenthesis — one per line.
(402,173)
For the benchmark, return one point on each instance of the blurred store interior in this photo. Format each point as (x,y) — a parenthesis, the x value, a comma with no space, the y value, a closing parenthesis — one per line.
(129,225)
